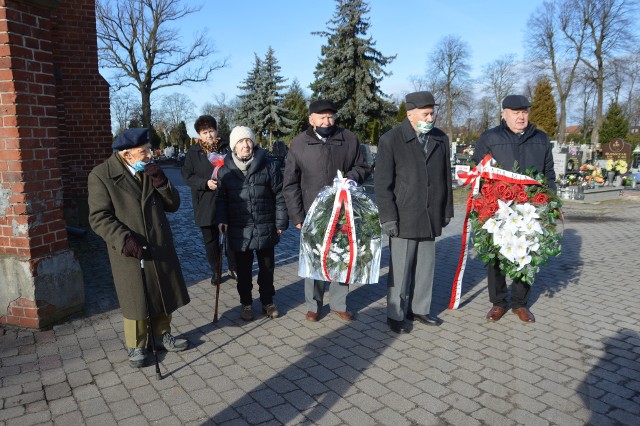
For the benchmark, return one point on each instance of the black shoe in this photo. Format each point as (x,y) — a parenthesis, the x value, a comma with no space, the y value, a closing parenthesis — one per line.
(397,326)
(410,316)
(428,319)
(214,279)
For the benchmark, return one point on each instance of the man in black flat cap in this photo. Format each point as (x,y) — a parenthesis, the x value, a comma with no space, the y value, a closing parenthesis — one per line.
(314,158)
(415,198)
(515,140)
(128,198)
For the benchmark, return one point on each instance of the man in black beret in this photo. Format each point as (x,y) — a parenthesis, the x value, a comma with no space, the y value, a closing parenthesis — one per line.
(415,199)
(128,200)
(314,158)
(515,140)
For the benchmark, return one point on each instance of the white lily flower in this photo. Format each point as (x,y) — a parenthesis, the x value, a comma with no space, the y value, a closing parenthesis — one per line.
(491,225)
(532,227)
(523,261)
(504,211)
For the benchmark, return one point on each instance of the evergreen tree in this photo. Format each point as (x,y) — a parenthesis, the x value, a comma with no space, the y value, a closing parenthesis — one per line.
(350,68)
(543,108)
(249,105)
(224,130)
(402,112)
(295,102)
(615,124)
(373,132)
(273,116)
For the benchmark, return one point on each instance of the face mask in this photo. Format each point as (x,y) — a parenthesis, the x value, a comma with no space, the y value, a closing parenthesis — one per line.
(424,126)
(324,132)
(139,166)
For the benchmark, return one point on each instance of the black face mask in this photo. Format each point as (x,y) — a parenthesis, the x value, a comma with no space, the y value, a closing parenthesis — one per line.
(324,132)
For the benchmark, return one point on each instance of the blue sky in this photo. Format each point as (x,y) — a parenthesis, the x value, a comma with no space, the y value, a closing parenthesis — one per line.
(409,29)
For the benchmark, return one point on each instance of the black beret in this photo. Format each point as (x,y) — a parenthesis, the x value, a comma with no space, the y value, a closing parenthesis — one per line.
(515,102)
(419,100)
(321,105)
(130,138)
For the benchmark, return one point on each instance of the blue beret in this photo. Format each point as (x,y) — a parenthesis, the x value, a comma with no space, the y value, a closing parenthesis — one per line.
(130,138)
(515,102)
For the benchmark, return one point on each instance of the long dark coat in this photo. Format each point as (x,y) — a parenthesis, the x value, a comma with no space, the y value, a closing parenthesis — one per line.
(119,205)
(196,171)
(312,164)
(414,188)
(252,205)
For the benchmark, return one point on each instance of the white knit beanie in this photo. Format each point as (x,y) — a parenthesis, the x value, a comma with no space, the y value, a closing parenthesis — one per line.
(239,133)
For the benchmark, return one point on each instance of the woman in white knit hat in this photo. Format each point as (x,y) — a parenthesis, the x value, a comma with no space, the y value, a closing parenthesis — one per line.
(251,211)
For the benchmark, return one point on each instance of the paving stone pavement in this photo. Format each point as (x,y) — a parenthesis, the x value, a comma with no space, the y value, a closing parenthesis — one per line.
(578,364)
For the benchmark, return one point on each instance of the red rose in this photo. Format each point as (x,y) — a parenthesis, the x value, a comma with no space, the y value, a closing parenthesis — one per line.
(344,229)
(540,199)
(477,204)
(500,188)
(493,208)
(522,197)
(509,194)
(485,213)
(486,189)
(518,187)
(492,199)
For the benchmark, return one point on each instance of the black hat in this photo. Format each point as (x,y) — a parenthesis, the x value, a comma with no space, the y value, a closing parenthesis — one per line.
(130,138)
(321,105)
(419,100)
(515,102)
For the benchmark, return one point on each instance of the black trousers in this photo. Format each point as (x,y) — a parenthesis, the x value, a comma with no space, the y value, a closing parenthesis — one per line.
(210,235)
(266,267)
(497,285)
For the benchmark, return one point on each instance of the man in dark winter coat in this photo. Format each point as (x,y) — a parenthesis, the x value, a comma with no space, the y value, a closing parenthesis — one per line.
(415,199)
(514,141)
(314,158)
(251,211)
(197,172)
(128,198)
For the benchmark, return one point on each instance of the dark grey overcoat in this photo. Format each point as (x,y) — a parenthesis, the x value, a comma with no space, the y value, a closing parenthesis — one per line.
(412,188)
(119,205)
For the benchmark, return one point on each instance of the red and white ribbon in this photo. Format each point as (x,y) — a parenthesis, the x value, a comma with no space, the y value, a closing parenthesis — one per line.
(342,199)
(483,170)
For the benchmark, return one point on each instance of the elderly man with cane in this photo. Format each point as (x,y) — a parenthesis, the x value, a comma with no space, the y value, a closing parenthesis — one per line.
(128,200)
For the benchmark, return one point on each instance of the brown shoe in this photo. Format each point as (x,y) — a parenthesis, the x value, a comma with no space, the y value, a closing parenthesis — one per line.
(524,314)
(495,313)
(312,316)
(343,315)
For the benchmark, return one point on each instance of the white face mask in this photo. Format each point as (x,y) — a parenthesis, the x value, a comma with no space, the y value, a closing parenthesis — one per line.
(424,126)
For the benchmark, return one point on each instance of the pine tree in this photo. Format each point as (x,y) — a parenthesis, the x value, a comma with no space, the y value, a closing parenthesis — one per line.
(350,68)
(543,108)
(274,120)
(402,112)
(295,102)
(615,124)
(247,112)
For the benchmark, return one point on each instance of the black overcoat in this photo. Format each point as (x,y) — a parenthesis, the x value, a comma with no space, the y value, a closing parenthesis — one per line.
(411,187)
(312,164)
(251,205)
(196,171)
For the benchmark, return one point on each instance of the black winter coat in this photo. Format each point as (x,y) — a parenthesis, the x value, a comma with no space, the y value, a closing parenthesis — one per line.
(531,150)
(196,171)
(252,206)
(414,188)
(312,164)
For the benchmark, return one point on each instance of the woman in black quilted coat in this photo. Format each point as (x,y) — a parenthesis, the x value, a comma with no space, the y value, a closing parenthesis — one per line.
(251,211)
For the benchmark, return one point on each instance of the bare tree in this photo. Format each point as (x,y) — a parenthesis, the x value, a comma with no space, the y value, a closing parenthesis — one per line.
(135,39)
(449,64)
(499,80)
(555,41)
(177,107)
(124,107)
(609,26)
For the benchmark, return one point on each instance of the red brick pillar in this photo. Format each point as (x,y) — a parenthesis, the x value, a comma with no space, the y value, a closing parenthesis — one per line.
(41,280)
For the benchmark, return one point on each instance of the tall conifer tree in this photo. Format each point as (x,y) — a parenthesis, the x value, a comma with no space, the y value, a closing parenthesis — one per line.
(350,68)
(615,124)
(543,108)
(273,116)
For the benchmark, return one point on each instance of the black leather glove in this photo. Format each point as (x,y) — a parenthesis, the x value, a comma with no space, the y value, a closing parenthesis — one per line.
(158,178)
(132,248)
(390,228)
(446,221)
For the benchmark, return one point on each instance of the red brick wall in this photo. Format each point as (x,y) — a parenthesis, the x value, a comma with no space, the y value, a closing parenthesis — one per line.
(31,222)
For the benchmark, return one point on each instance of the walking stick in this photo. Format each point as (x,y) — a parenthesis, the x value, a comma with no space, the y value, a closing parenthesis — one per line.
(149,326)
(220,248)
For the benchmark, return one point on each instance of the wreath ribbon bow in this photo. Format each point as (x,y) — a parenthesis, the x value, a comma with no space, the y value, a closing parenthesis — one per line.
(485,169)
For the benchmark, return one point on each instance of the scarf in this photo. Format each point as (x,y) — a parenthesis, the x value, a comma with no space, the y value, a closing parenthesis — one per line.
(243,165)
